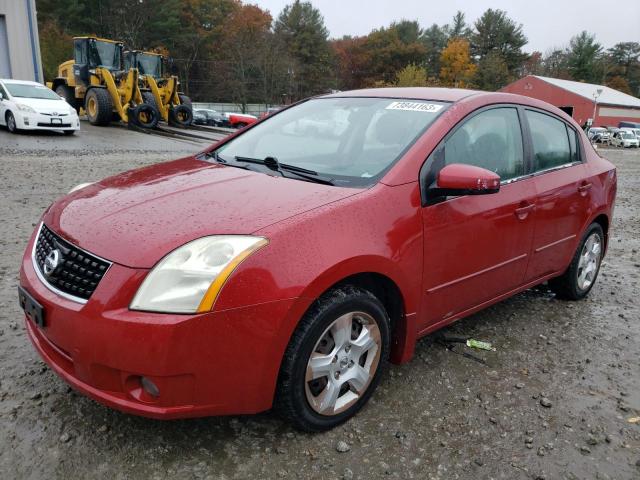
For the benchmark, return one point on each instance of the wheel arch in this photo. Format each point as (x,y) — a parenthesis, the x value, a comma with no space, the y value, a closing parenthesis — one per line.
(382,278)
(57,82)
(602,219)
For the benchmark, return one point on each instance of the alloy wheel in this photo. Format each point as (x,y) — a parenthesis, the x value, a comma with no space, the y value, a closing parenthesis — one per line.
(11,122)
(589,261)
(343,363)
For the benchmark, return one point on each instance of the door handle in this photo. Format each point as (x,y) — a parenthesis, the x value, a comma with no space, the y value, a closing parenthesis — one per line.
(584,188)
(523,212)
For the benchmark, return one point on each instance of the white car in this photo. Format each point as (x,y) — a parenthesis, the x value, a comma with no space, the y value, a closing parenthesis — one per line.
(32,106)
(624,139)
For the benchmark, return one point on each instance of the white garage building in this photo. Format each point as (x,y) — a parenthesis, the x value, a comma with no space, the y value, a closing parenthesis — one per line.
(19,44)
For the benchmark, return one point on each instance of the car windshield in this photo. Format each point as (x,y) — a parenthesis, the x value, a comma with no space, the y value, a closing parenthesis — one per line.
(105,54)
(22,90)
(627,135)
(352,140)
(150,65)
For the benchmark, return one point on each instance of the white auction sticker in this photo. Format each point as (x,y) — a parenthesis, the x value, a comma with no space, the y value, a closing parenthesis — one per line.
(415,106)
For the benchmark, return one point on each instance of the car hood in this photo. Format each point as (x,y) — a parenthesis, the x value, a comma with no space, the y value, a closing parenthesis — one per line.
(44,106)
(137,217)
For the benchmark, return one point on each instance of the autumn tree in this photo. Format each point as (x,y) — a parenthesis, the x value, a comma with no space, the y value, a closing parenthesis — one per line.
(555,63)
(619,83)
(411,76)
(246,33)
(457,69)
(351,62)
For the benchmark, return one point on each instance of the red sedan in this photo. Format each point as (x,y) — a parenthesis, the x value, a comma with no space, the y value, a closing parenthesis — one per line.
(285,266)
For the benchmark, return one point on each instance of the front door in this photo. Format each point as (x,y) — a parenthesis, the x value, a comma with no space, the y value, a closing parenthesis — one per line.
(477,247)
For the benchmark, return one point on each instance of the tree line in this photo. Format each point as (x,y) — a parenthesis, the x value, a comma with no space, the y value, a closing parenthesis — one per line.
(226,50)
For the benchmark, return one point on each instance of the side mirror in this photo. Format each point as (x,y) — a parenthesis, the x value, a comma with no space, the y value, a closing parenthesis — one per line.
(458,179)
(1,97)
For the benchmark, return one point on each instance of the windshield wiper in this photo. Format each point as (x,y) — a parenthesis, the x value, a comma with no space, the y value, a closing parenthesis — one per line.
(218,159)
(272,163)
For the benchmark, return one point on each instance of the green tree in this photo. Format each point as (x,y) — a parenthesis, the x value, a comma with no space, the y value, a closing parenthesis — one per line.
(435,40)
(495,32)
(583,56)
(492,73)
(624,61)
(300,27)
(458,27)
(411,76)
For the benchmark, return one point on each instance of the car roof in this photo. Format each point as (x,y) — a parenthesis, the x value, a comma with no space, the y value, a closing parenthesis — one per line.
(22,82)
(410,93)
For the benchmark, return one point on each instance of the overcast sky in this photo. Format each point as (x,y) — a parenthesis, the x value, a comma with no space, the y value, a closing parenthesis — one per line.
(546,23)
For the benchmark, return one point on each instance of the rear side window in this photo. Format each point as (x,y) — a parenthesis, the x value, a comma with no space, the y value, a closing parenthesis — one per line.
(573,144)
(551,146)
(491,139)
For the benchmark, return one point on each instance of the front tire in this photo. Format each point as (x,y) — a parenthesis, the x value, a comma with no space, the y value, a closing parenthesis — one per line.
(579,278)
(334,360)
(68,93)
(99,106)
(10,120)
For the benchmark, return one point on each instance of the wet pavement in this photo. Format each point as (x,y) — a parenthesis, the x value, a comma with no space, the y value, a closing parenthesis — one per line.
(552,402)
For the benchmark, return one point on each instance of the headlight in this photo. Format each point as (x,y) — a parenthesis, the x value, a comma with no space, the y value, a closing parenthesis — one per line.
(25,108)
(79,186)
(189,279)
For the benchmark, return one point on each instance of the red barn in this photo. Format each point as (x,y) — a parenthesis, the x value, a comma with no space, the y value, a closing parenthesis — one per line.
(580,99)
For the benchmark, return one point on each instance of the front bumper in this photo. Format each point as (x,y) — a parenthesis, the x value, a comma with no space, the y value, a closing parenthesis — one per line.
(38,121)
(208,364)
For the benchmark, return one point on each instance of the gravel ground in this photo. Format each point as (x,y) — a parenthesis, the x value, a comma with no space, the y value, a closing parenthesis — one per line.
(552,403)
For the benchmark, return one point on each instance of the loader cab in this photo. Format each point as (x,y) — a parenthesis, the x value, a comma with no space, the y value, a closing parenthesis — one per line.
(147,63)
(90,53)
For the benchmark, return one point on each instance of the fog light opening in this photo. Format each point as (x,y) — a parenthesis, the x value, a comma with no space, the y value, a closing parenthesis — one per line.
(149,387)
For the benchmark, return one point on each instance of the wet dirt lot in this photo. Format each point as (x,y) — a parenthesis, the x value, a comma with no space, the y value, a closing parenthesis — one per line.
(552,402)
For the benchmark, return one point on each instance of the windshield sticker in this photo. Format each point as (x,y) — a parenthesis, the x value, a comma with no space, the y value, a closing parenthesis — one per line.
(415,107)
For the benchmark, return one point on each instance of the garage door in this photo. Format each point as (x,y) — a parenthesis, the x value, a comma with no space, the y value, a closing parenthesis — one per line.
(5,67)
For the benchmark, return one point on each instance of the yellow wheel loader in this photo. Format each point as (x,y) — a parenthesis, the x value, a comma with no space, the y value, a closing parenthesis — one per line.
(159,88)
(96,81)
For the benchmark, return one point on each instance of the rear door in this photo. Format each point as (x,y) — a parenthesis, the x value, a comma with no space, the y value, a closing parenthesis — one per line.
(477,247)
(563,192)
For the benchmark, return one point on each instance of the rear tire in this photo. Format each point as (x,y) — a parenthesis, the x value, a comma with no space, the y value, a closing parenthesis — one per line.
(149,99)
(99,107)
(184,100)
(334,360)
(240,125)
(578,280)
(69,95)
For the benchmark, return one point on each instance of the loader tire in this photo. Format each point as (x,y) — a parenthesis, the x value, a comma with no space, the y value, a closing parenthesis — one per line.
(149,99)
(145,116)
(184,100)
(99,107)
(69,95)
(180,116)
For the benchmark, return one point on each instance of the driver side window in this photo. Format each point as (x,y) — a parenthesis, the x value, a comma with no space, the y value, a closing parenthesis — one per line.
(492,140)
